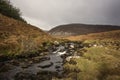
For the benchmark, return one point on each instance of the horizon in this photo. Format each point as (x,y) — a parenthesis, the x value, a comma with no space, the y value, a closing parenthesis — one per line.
(59,40)
(49,14)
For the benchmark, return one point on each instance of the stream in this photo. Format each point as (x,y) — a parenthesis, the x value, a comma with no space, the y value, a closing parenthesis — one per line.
(38,68)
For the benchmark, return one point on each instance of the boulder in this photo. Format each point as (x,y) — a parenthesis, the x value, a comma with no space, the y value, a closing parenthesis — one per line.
(46,65)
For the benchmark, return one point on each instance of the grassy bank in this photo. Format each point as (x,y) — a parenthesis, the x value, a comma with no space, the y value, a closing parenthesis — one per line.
(96,63)
(113,35)
(19,38)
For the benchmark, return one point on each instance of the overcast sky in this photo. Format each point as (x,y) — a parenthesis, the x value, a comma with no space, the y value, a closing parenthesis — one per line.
(47,14)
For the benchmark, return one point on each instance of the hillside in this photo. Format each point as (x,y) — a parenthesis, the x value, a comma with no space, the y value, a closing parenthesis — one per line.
(101,52)
(27,54)
(80,29)
(17,37)
(114,35)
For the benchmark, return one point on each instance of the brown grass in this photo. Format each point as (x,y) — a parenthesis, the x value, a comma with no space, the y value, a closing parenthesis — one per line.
(17,37)
(103,35)
(98,63)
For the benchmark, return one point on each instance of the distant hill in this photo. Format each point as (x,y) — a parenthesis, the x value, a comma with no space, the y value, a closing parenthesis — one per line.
(80,29)
(112,35)
(17,37)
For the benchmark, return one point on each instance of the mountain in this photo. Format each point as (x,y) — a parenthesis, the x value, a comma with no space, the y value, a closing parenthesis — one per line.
(80,29)
(17,37)
(112,35)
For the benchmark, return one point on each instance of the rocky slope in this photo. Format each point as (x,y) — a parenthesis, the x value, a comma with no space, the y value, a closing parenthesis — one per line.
(80,29)
(17,37)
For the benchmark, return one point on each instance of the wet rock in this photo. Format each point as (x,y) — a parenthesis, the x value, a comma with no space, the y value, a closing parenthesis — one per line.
(72,57)
(6,67)
(3,58)
(25,65)
(45,58)
(2,63)
(61,48)
(64,56)
(36,59)
(59,62)
(30,62)
(45,75)
(2,77)
(72,46)
(26,60)
(56,42)
(68,47)
(58,70)
(46,65)
(57,66)
(15,62)
(25,76)
(40,59)
(61,53)
(43,53)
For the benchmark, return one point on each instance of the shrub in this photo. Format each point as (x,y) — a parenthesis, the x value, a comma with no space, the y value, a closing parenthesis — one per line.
(7,9)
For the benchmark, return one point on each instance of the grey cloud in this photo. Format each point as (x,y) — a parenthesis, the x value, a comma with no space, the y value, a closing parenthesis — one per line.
(49,13)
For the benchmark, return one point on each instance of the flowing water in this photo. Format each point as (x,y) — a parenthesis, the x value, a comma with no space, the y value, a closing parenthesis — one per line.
(54,63)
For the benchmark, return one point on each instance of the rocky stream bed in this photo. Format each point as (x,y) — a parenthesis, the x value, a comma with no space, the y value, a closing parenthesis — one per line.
(39,67)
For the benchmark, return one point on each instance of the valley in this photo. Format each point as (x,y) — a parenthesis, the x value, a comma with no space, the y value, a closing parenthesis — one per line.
(35,68)
(28,53)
